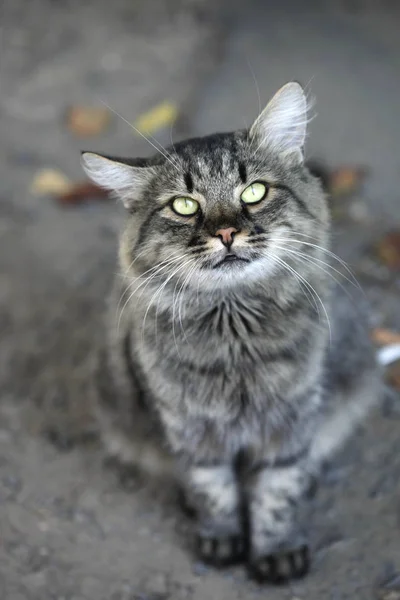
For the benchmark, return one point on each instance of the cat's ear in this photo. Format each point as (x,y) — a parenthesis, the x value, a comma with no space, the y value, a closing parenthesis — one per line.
(282,125)
(118,175)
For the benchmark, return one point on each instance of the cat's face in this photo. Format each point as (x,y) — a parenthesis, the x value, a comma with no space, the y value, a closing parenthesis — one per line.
(220,209)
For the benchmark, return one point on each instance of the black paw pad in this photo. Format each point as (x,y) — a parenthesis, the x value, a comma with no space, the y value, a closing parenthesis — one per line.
(280,568)
(220,551)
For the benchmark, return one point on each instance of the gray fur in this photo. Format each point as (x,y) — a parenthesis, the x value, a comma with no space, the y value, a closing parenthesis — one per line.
(241,378)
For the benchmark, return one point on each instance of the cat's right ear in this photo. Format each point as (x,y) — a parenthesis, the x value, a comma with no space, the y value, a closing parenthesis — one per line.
(117,175)
(282,125)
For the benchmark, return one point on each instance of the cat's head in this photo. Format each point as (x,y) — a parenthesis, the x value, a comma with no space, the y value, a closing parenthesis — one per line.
(221,209)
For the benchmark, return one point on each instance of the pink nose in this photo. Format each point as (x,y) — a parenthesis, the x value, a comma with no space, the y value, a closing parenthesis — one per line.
(226,235)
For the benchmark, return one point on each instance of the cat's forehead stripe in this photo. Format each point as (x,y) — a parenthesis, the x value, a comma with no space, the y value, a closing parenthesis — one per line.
(188,182)
(242,172)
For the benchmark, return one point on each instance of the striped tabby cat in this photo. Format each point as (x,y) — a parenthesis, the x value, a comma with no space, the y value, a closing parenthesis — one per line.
(232,361)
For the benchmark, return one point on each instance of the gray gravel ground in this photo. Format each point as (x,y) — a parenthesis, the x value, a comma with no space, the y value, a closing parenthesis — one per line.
(72,527)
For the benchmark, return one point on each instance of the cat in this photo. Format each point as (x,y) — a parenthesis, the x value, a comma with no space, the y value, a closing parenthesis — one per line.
(234,362)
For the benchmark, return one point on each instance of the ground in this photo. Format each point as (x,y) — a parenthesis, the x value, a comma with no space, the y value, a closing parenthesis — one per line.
(72,526)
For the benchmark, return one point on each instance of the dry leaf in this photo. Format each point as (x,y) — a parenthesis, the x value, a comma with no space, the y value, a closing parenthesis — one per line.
(81,192)
(50,181)
(393,375)
(86,121)
(160,116)
(384,337)
(388,249)
(345,181)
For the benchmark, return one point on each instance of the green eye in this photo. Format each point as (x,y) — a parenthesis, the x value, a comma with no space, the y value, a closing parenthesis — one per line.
(185,206)
(254,193)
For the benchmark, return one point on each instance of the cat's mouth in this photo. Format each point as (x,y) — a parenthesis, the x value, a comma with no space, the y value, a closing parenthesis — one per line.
(230,259)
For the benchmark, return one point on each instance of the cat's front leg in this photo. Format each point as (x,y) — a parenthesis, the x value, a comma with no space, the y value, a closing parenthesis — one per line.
(212,491)
(278,551)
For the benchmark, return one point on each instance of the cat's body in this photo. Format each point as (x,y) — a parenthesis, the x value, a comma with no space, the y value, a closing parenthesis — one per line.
(232,360)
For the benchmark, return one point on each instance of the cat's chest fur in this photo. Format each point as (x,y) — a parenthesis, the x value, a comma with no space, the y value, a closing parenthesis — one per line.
(218,359)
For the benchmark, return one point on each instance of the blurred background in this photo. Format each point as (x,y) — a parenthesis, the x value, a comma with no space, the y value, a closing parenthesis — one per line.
(77,75)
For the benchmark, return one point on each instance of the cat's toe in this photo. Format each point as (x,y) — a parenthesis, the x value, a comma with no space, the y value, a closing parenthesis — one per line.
(280,568)
(220,551)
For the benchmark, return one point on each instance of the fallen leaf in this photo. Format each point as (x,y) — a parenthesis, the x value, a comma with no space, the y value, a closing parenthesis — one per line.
(81,192)
(388,249)
(393,376)
(345,181)
(384,337)
(50,181)
(86,121)
(342,181)
(160,116)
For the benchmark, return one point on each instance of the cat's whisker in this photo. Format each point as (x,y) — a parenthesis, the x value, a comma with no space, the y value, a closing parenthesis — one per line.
(160,290)
(308,284)
(156,271)
(156,274)
(135,279)
(329,252)
(162,151)
(309,260)
(173,319)
(198,289)
(306,291)
(179,162)
(174,303)
(173,145)
(146,281)
(180,297)
(267,237)
(258,96)
(125,274)
(173,313)
(318,262)
(169,263)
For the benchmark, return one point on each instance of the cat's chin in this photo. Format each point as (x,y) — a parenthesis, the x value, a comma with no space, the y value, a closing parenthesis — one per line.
(234,273)
(231,261)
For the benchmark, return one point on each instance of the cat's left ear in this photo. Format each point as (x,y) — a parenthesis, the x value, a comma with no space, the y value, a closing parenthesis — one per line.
(127,178)
(281,127)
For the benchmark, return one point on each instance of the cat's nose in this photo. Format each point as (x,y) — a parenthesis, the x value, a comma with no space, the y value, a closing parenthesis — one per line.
(226,235)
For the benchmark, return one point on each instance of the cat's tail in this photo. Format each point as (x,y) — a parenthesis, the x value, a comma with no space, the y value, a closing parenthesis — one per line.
(388,354)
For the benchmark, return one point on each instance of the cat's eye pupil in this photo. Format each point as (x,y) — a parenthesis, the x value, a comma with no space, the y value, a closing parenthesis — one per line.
(254,193)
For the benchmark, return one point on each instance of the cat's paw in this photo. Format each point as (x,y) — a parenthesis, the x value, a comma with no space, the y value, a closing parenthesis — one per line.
(220,551)
(281,567)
